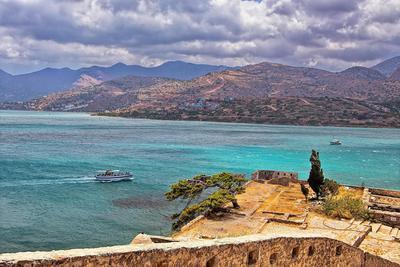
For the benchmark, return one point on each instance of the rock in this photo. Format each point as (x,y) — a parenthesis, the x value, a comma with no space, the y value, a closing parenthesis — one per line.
(142,239)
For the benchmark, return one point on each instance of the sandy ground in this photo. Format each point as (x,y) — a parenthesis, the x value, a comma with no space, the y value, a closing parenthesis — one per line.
(263,203)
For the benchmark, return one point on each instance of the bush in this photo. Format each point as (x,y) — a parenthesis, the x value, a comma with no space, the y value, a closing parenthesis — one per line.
(346,207)
(330,186)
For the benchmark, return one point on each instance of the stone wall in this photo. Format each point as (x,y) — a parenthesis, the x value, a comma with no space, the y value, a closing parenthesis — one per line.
(386,217)
(384,205)
(271,175)
(385,192)
(254,250)
(373,260)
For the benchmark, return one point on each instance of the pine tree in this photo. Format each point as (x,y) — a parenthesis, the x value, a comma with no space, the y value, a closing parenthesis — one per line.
(316,177)
(228,186)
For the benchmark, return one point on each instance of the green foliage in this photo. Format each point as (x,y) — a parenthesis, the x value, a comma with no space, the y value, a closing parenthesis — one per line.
(346,207)
(187,189)
(330,187)
(209,206)
(228,186)
(316,177)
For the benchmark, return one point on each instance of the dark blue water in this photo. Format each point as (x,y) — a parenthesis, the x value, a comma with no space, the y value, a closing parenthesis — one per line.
(49,199)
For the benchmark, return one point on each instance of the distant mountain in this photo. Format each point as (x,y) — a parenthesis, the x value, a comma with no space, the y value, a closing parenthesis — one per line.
(107,95)
(39,83)
(172,69)
(50,80)
(252,81)
(395,75)
(85,81)
(265,92)
(363,73)
(388,66)
(4,74)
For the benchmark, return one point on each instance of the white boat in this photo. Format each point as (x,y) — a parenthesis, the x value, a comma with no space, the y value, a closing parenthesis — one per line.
(113,176)
(336,142)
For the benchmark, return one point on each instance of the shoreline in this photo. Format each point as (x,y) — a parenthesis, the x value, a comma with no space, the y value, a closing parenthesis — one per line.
(111,115)
(102,114)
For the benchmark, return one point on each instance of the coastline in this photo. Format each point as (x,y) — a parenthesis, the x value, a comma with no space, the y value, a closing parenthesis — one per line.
(287,121)
(114,115)
(118,115)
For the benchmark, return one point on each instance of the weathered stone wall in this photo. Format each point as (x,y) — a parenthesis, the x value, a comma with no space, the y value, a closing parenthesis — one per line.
(256,250)
(386,217)
(276,175)
(385,192)
(384,205)
(373,260)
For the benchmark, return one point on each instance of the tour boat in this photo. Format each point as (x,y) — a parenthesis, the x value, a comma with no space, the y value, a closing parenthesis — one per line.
(336,142)
(113,176)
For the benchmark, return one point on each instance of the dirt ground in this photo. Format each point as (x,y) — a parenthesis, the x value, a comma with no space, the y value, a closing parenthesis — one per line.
(268,208)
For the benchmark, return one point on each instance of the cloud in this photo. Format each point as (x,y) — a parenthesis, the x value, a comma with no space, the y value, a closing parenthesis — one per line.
(332,34)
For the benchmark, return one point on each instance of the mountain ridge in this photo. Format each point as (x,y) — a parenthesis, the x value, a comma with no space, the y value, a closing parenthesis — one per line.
(258,80)
(46,81)
(50,80)
(395,76)
(262,93)
(388,66)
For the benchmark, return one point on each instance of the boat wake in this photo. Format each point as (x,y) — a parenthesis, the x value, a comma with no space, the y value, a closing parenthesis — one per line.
(55,181)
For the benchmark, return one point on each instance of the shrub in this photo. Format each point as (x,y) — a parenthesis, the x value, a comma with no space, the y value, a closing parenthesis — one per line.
(330,186)
(346,207)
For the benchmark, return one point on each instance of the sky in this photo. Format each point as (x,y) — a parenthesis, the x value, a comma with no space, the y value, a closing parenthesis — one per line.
(328,34)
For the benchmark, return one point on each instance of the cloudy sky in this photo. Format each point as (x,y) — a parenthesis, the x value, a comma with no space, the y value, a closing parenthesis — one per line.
(330,34)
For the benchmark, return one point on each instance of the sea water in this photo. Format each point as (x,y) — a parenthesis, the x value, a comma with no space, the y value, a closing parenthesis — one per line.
(50,200)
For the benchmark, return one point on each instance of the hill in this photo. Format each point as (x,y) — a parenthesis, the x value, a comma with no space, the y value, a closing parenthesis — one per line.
(46,81)
(363,73)
(395,75)
(264,93)
(388,66)
(97,97)
(4,75)
(272,80)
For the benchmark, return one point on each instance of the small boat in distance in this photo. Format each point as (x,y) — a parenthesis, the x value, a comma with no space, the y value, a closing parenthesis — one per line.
(336,142)
(113,176)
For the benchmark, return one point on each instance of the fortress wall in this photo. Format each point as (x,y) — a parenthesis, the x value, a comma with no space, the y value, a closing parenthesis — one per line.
(255,250)
(373,260)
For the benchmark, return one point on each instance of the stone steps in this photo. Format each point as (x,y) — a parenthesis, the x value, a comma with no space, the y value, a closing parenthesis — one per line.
(356,224)
(394,232)
(358,236)
(384,229)
(367,223)
(375,227)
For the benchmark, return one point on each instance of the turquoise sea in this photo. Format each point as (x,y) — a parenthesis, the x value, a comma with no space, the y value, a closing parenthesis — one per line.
(49,199)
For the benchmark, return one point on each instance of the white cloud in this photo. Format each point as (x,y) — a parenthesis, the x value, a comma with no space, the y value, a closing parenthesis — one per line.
(332,34)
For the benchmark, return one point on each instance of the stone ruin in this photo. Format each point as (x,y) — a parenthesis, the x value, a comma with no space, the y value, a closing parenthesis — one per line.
(275,177)
(384,205)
